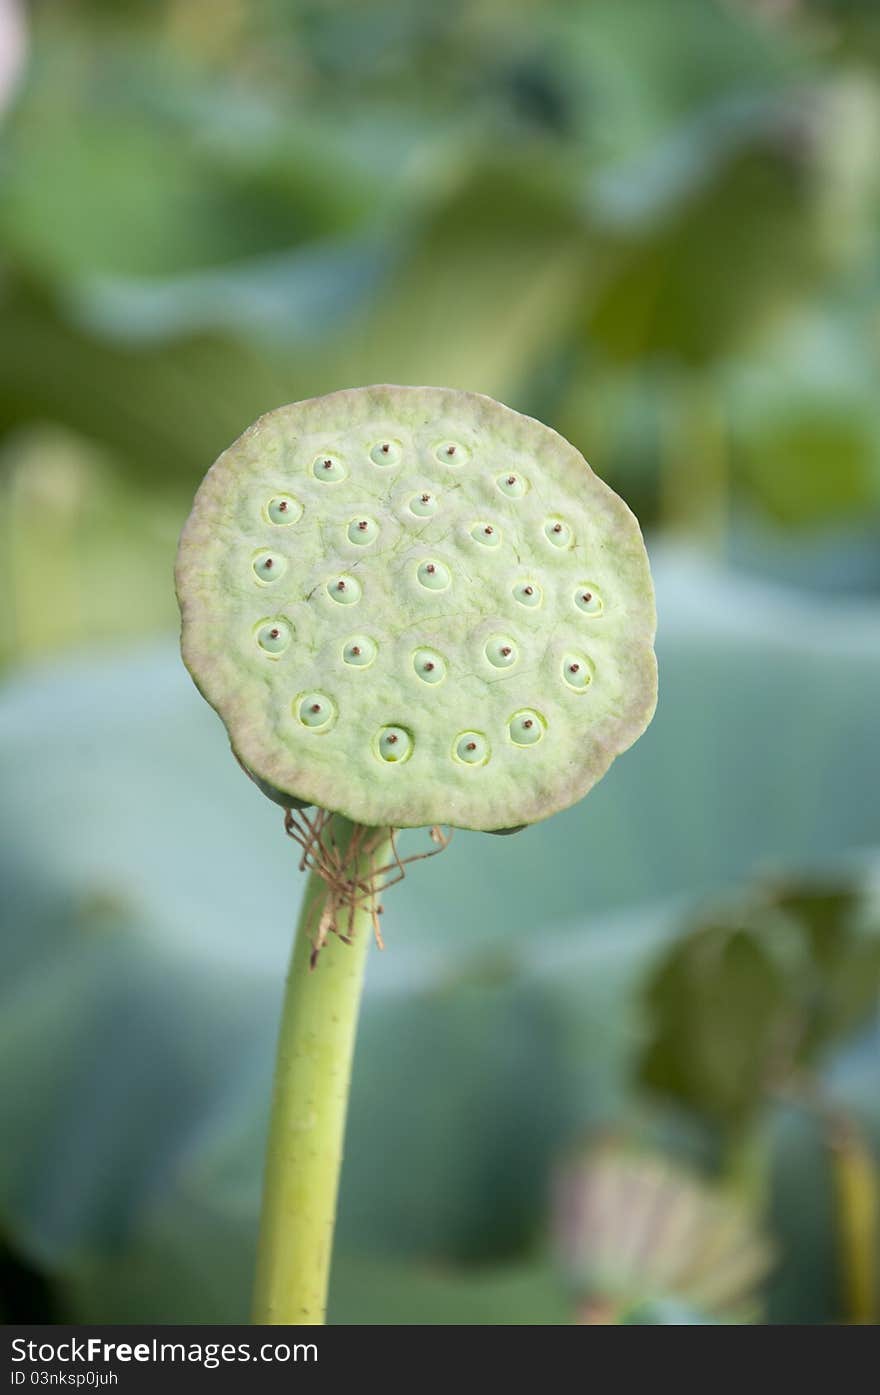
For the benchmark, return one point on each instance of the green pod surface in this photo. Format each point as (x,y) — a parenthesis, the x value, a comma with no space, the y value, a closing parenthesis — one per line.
(310,634)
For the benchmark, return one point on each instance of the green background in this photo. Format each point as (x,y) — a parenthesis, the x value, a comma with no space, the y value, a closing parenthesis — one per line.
(657,228)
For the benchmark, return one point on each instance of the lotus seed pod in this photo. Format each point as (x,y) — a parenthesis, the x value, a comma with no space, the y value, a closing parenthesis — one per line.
(476,654)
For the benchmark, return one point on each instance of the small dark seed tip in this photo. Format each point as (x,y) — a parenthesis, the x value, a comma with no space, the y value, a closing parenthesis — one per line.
(450,450)
(488,531)
(557,527)
(471,746)
(328,464)
(430,569)
(511,479)
(340,585)
(391,740)
(426,498)
(506,650)
(273,634)
(316,707)
(362,525)
(356,649)
(282,507)
(587,596)
(528,723)
(385,448)
(429,667)
(530,590)
(268,564)
(574,668)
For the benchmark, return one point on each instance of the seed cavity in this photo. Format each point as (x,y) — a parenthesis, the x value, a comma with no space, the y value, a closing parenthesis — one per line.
(434,575)
(283,509)
(386,453)
(526,727)
(501,651)
(528,593)
(587,599)
(268,566)
(558,532)
(316,711)
(273,636)
(423,505)
(577,672)
(471,748)
(328,469)
(451,453)
(512,484)
(429,665)
(394,744)
(486,533)
(359,651)
(363,531)
(345,590)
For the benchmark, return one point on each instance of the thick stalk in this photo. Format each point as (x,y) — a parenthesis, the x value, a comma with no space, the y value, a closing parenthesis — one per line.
(309,1105)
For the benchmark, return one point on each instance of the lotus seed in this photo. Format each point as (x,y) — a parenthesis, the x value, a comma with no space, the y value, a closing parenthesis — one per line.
(328,469)
(268,566)
(436,576)
(386,453)
(588,600)
(514,486)
(283,509)
(345,590)
(273,636)
(363,531)
(528,593)
(360,651)
(451,453)
(558,532)
(471,748)
(486,534)
(429,665)
(501,651)
(423,505)
(526,728)
(316,710)
(577,672)
(395,744)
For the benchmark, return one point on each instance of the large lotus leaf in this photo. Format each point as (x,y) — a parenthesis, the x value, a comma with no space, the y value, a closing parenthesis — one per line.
(140,897)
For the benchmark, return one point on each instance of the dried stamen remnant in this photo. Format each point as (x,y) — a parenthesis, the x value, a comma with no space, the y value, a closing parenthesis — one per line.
(435,576)
(587,599)
(528,593)
(395,745)
(328,469)
(513,485)
(423,505)
(429,665)
(268,566)
(577,672)
(386,453)
(501,651)
(359,651)
(363,531)
(273,636)
(471,748)
(345,590)
(283,509)
(558,532)
(486,533)
(526,727)
(315,710)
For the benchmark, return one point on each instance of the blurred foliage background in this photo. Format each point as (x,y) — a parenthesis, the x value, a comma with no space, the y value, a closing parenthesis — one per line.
(627,1068)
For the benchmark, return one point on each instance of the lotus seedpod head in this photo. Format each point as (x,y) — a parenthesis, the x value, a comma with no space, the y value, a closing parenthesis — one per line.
(414,606)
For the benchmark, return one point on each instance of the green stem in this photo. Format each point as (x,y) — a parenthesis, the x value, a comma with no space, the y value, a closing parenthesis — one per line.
(310,1100)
